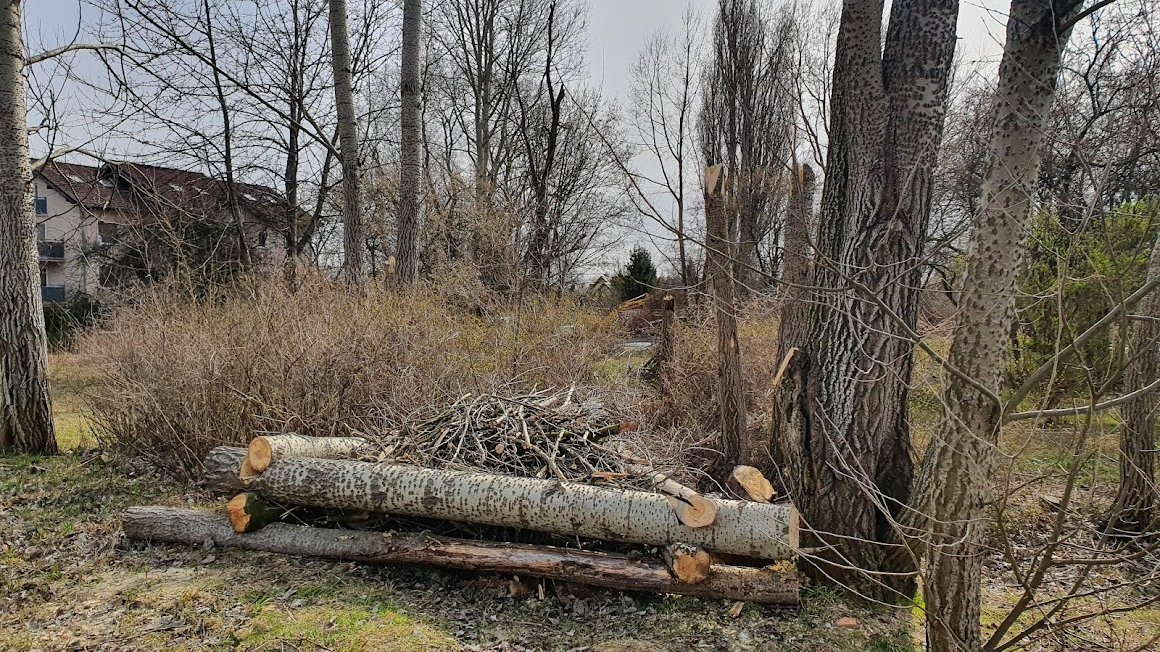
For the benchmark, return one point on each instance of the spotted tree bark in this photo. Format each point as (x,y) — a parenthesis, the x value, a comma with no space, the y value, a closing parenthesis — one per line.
(1135,511)
(354,231)
(752,529)
(25,408)
(580,566)
(955,484)
(411,165)
(846,441)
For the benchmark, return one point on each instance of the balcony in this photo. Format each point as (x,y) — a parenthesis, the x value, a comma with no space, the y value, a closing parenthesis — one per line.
(52,294)
(50,251)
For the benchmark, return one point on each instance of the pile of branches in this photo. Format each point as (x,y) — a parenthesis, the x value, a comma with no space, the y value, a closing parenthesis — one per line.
(545,434)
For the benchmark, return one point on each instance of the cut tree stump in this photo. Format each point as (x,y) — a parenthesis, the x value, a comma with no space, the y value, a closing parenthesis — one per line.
(249,512)
(691,508)
(585,567)
(745,528)
(264,450)
(688,564)
(748,482)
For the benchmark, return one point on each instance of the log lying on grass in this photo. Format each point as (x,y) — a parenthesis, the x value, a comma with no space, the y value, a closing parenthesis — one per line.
(264,450)
(744,528)
(221,469)
(249,512)
(585,567)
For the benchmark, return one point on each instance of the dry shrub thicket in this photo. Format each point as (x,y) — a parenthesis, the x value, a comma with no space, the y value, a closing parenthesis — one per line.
(178,376)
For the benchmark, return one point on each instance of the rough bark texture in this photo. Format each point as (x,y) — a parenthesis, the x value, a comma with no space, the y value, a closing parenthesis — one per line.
(599,569)
(410,164)
(843,434)
(25,408)
(733,446)
(797,263)
(265,450)
(956,482)
(744,528)
(221,469)
(354,231)
(1134,511)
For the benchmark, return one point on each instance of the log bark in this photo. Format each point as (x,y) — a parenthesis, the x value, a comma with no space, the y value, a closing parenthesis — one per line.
(264,450)
(353,228)
(688,564)
(249,512)
(744,528)
(748,482)
(222,468)
(586,567)
(410,138)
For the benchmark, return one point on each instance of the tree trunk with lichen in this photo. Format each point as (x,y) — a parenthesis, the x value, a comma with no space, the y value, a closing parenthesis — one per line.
(955,485)
(354,230)
(25,407)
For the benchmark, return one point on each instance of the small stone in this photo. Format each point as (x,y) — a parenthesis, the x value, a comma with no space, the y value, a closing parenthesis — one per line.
(298,604)
(847,623)
(579,607)
(744,636)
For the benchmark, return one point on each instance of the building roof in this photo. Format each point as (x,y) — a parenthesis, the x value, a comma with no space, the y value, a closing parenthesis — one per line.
(136,188)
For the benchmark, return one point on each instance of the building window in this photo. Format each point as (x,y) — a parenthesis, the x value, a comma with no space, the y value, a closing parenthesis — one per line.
(106,233)
(40,232)
(42,205)
(262,235)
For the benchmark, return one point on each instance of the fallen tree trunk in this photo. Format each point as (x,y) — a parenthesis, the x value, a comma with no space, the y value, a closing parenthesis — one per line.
(744,528)
(265,450)
(585,567)
(222,465)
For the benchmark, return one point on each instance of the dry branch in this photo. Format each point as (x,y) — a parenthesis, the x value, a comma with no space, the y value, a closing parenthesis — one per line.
(605,513)
(595,568)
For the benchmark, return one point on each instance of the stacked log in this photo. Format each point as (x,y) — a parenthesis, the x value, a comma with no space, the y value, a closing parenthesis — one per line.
(680,525)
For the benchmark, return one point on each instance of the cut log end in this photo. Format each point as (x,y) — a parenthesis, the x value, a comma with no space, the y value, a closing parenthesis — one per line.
(260,454)
(688,564)
(748,482)
(249,512)
(694,511)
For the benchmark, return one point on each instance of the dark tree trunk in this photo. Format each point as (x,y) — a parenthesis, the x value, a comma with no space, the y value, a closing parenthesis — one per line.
(846,438)
(354,232)
(25,408)
(411,165)
(733,445)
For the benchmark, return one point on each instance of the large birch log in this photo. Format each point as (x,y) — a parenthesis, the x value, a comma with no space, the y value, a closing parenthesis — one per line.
(608,514)
(585,567)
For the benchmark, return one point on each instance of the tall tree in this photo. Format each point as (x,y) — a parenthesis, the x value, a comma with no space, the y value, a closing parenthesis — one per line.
(25,407)
(1135,510)
(354,231)
(847,440)
(956,482)
(411,165)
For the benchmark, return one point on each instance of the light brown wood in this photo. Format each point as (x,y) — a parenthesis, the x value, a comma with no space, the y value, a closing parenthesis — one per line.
(784,365)
(249,512)
(692,509)
(579,566)
(689,564)
(748,482)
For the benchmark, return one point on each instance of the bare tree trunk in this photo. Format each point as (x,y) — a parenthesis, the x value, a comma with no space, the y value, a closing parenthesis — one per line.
(354,235)
(25,407)
(846,436)
(410,174)
(797,264)
(956,482)
(734,443)
(1135,509)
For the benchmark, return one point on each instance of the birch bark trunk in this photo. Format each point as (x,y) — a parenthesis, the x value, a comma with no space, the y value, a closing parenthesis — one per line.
(354,231)
(25,407)
(410,174)
(956,482)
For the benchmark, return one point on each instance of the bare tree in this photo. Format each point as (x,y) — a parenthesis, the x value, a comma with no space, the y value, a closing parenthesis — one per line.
(847,437)
(955,482)
(354,231)
(25,407)
(411,164)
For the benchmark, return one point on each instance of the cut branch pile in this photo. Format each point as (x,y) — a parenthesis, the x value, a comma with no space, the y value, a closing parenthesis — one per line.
(535,463)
